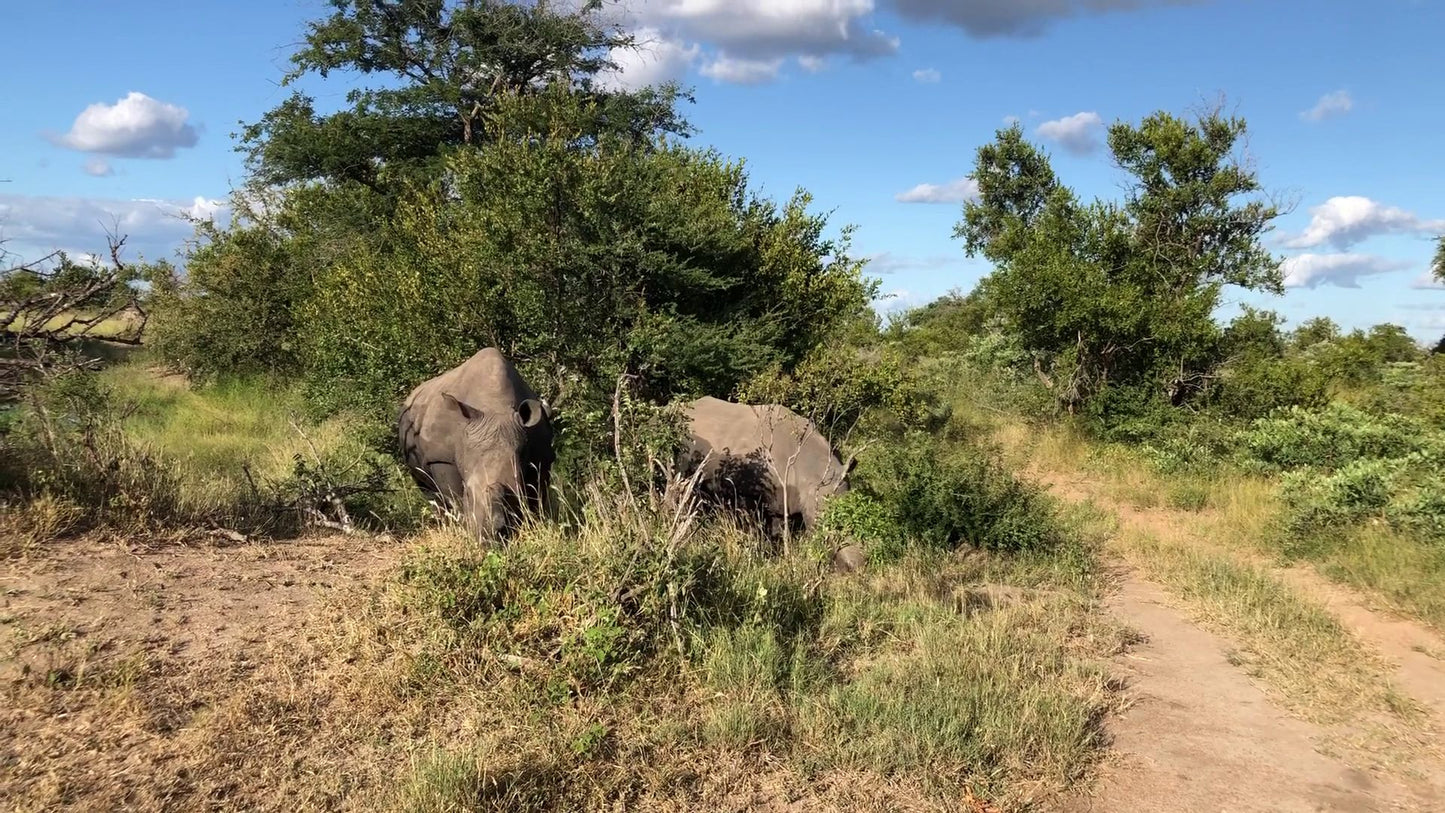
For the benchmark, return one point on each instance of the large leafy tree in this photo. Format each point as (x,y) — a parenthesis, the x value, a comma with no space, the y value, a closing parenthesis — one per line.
(535,211)
(1121,293)
(432,71)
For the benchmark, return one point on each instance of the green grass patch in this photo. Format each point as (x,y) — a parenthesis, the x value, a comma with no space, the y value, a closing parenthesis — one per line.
(727,657)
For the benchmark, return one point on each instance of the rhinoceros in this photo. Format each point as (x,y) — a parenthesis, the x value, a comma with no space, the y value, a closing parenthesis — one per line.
(479,439)
(766,460)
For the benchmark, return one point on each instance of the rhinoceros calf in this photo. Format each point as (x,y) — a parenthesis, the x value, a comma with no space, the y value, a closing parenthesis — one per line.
(766,460)
(478,437)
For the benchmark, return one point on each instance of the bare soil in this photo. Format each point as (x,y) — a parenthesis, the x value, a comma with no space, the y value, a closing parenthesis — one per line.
(1199,734)
(118,664)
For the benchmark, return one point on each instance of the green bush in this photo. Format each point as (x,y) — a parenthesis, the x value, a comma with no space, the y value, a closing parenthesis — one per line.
(580,260)
(66,446)
(1333,437)
(1318,502)
(857,516)
(846,390)
(947,498)
(1257,386)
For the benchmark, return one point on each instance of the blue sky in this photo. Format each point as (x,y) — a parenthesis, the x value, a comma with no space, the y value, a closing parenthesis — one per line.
(858,101)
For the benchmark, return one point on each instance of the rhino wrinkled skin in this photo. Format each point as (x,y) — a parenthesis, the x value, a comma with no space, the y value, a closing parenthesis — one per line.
(766,460)
(479,439)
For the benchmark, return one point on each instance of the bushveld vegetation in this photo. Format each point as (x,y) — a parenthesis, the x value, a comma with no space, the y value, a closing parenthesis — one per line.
(494,192)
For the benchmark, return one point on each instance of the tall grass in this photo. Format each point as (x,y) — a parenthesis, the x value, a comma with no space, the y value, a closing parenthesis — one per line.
(136,451)
(683,653)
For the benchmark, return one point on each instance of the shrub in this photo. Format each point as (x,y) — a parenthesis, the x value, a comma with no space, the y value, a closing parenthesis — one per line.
(948,499)
(67,448)
(1332,437)
(860,517)
(1256,386)
(1319,501)
(652,259)
(837,387)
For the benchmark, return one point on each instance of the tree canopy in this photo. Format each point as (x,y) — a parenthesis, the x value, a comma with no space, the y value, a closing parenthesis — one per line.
(1122,293)
(493,191)
(432,72)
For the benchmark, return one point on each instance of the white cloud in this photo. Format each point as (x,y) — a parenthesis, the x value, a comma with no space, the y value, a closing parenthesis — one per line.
(1428,280)
(1343,221)
(99,167)
(137,126)
(887,262)
(1013,18)
(1009,121)
(1342,270)
(1330,105)
(956,191)
(1078,134)
(742,71)
(35,226)
(812,64)
(927,76)
(748,41)
(654,61)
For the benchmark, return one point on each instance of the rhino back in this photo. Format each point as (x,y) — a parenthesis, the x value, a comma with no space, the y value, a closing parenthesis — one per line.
(791,444)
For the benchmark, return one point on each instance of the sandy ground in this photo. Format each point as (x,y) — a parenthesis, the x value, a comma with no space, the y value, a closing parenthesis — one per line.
(1202,736)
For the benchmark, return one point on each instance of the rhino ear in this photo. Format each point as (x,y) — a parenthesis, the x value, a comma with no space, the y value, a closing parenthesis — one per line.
(468,411)
(530,412)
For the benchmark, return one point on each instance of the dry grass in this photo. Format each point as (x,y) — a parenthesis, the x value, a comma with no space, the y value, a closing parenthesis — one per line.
(884,691)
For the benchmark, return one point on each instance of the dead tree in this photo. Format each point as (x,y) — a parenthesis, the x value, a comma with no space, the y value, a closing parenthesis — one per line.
(55,309)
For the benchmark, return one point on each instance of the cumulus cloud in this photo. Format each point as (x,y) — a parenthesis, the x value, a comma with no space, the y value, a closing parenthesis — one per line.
(654,61)
(1343,221)
(1330,105)
(742,71)
(1342,270)
(956,191)
(1078,134)
(1013,18)
(748,41)
(99,167)
(137,126)
(927,76)
(35,226)
(1009,121)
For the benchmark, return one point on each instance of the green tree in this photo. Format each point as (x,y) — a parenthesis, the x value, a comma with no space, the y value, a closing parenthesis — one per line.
(1313,331)
(439,68)
(581,261)
(1122,294)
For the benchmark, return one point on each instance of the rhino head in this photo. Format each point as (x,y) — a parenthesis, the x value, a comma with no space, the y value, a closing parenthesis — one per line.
(500,464)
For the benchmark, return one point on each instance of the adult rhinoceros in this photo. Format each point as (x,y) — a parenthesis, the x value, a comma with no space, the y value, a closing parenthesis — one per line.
(766,460)
(480,439)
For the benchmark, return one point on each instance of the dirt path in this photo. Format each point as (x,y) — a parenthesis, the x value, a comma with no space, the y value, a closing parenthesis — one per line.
(1417,651)
(1203,736)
